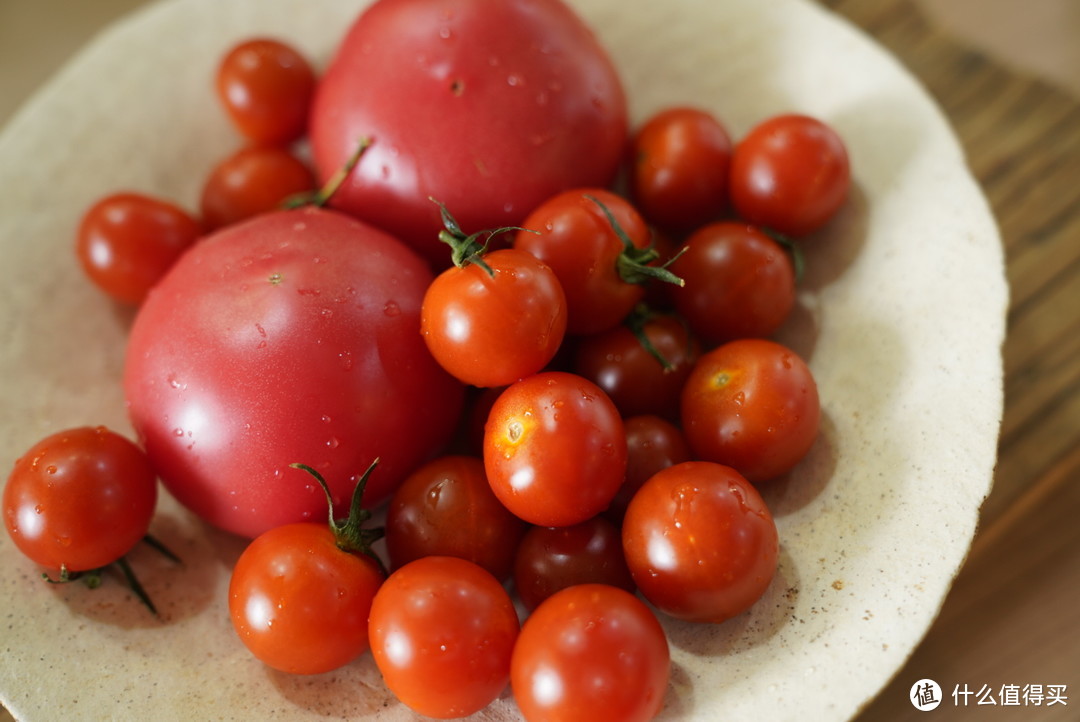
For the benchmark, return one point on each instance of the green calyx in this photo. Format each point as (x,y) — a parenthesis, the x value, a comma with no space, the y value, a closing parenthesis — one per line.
(633,263)
(470,248)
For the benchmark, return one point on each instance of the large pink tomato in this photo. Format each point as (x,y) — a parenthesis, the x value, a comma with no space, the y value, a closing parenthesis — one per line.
(293,337)
(490,106)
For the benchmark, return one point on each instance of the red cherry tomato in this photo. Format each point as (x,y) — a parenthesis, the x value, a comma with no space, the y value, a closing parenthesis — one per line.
(791,174)
(493,327)
(127,241)
(79,499)
(553,558)
(250,182)
(700,542)
(679,174)
(292,336)
(447,508)
(554,449)
(591,652)
(266,86)
(619,362)
(740,283)
(652,444)
(751,404)
(572,234)
(299,603)
(442,633)
(492,107)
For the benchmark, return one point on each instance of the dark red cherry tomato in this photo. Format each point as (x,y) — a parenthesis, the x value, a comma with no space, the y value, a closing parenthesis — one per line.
(266,88)
(740,283)
(442,634)
(447,508)
(790,173)
(642,364)
(679,171)
(574,236)
(591,652)
(700,542)
(751,404)
(554,449)
(79,499)
(127,241)
(553,558)
(652,444)
(250,182)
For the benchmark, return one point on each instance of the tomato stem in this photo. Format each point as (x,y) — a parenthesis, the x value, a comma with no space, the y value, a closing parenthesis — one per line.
(633,262)
(466,249)
(321,197)
(792,248)
(350,534)
(636,323)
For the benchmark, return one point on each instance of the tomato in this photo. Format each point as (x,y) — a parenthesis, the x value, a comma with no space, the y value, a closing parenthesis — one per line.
(700,542)
(294,336)
(652,444)
(491,106)
(252,181)
(447,508)
(572,233)
(790,173)
(679,169)
(739,283)
(624,363)
(127,241)
(553,558)
(591,652)
(79,499)
(265,86)
(442,631)
(751,404)
(493,322)
(554,449)
(299,603)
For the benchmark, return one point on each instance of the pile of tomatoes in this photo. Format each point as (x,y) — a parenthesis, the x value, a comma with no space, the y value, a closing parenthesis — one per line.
(559,382)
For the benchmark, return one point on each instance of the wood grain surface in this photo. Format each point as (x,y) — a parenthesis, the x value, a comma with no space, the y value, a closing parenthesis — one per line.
(1013,615)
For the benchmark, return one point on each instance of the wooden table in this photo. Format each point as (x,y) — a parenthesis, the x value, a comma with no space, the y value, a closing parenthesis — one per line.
(1013,615)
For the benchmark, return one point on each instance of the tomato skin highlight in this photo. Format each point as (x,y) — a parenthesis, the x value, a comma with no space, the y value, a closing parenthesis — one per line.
(790,173)
(752,404)
(492,329)
(126,242)
(591,652)
(299,603)
(265,86)
(519,100)
(292,336)
(79,499)
(700,542)
(554,449)
(442,632)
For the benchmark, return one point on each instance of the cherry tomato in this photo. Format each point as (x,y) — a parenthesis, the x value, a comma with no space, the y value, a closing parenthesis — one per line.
(591,652)
(292,336)
(79,499)
(492,107)
(751,404)
(626,366)
(127,241)
(266,86)
(442,633)
(652,444)
(700,542)
(553,558)
(554,449)
(790,173)
(250,182)
(740,283)
(572,234)
(679,174)
(299,603)
(447,508)
(491,325)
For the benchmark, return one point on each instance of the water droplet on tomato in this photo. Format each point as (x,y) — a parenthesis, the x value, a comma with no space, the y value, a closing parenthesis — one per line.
(39,509)
(392,309)
(332,442)
(515,80)
(50,469)
(178,431)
